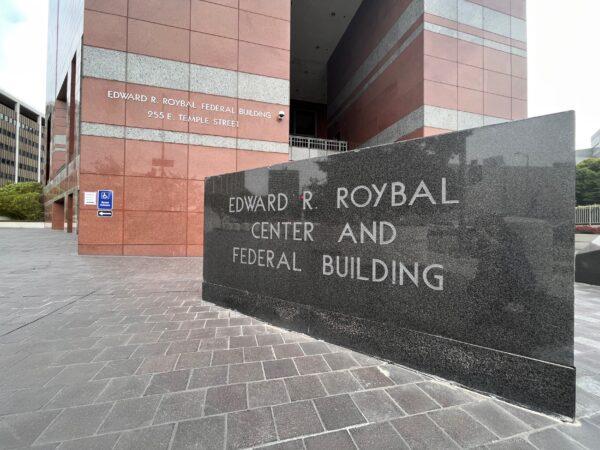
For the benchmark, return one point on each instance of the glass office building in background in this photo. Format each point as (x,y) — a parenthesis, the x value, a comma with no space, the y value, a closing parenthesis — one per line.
(21,141)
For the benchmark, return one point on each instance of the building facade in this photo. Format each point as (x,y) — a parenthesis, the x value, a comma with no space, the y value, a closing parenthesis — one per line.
(22,147)
(147,98)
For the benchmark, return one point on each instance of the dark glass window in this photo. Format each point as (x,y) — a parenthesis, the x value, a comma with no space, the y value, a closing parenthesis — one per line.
(304,123)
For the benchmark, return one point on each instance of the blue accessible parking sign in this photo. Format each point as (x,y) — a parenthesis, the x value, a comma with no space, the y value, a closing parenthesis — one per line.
(105,199)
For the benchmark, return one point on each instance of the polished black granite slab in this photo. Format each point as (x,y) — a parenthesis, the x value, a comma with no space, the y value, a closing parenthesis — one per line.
(452,254)
(587,264)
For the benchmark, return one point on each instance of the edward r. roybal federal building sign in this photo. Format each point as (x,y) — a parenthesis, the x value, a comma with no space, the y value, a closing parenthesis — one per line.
(451,254)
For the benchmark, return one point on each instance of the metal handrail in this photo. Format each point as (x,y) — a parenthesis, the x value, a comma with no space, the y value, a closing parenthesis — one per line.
(587,215)
(318,144)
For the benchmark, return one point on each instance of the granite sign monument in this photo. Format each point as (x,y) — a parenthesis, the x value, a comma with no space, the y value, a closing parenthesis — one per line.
(451,254)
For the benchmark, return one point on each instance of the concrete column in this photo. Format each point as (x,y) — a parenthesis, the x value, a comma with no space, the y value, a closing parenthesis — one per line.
(39,174)
(17,137)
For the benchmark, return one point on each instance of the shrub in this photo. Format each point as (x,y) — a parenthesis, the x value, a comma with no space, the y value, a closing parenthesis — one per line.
(22,201)
(587,188)
(587,229)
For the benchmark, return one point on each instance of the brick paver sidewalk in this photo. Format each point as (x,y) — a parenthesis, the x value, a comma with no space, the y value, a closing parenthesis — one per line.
(123,353)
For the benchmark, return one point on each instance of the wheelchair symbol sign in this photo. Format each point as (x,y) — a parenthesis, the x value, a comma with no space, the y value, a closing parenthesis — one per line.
(105,199)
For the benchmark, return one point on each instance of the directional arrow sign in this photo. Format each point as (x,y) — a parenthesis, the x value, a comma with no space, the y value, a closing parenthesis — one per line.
(104,213)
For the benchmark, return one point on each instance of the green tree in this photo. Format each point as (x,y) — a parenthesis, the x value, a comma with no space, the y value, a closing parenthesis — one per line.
(588,182)
(22,201)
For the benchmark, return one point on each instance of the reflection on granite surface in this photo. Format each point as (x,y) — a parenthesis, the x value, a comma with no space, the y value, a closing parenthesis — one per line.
(462,242)
(587,264)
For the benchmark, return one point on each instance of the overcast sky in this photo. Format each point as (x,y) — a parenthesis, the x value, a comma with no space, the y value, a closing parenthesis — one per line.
(563,51)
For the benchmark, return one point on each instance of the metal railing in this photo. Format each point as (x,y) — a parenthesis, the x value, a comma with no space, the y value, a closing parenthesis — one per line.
(587,215)
(318,144)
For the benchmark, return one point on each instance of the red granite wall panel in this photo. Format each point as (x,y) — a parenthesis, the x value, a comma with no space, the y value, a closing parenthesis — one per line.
(139,147)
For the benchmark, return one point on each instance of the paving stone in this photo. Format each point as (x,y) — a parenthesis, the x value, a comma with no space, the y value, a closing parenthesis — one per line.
(287,445)
(511,444)
(339,383)
(279,368)
(336,440)
(79,356)
(377,436)
(242,373)
(552,439)
(365,360)
(585,432)
(242,341)
(462,428)
(234,356)
(183,347)
(207,433)
(498,420)
(214,323)
(145,338)
(192,324)
(228,331)
(163,324)
(146,350)
(124,387)
(422,433)
(112,341)
(21,430)
(372,377)
(531,418)
(26,400)
(253,330)
(202,333)
(174,335)
(338,412)
(314,348)
(311,364)
(376,405)
(74,423)
(131,413)
(75,373)
(193,360)
(180,406)
(267,393)
(112,353)
(157,364)
(224,399)
(119,368)
(158,437)
(446,395)
(240,321)
(208,376)
(340,360)
(304,387)
(104,442)
(162,383)
(214,344)
(287,351)
(269,339)
(400,375)
(77,394)
(411,399)
(250,428)
(296,419)
(253,354)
